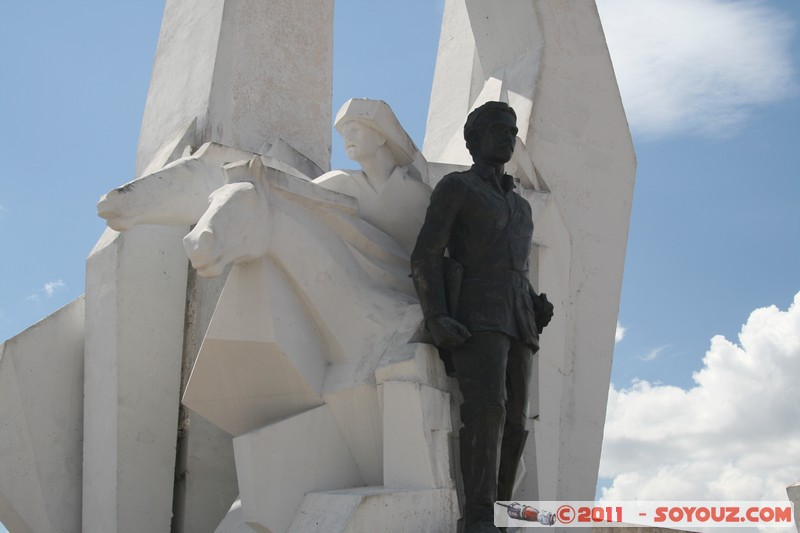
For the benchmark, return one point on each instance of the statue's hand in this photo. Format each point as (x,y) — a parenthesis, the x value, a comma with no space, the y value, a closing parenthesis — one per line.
(447,332)
(543,309)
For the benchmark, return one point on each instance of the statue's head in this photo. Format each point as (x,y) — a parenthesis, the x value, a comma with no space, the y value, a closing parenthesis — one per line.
(361,141)
(367,125)
(491,132)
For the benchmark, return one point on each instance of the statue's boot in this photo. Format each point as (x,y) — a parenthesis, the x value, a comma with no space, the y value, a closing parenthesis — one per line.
(480,454)
(510,457)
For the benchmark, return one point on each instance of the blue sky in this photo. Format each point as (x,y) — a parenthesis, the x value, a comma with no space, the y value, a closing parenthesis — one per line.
(712,90)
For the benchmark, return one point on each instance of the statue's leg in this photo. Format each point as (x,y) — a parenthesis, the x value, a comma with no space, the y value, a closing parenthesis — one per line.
(518,373)
(480,368)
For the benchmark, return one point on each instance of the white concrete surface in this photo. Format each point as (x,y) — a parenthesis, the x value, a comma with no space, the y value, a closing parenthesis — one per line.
(280,463)
(245,375)
(416,436)
(378,509)
(206,485)
(234,520)
(41,424)
(209,478)
(581,145)
(135,298)
(217,56)
(488,50)
(552,255)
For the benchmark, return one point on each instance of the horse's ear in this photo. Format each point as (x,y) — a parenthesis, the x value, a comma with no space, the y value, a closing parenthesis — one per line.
(257,169)
(256,164)
(244,170)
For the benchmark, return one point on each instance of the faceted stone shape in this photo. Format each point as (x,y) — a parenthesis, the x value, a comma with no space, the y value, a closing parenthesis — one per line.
(416,430)
(41,424)
(278,464)
(255,367)
(377,509)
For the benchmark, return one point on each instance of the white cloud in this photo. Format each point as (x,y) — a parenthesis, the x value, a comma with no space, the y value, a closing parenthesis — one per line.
(733,436)
(52,286)
(697,66)
(48,289)
(653,354)
(620,333)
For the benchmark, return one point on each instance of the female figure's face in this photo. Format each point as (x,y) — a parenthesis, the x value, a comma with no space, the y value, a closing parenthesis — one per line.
(360,141)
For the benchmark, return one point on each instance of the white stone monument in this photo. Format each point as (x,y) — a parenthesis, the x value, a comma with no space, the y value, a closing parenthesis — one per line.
(287,338)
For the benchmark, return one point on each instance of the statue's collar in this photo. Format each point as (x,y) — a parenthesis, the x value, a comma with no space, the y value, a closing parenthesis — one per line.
(487,173)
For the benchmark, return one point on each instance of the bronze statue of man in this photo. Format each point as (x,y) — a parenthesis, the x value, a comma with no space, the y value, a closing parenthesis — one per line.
(480,308)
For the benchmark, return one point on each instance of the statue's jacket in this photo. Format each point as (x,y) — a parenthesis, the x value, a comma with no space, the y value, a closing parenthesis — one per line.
(487,229)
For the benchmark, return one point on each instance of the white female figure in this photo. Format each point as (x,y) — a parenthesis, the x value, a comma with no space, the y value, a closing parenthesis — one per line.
(390,187)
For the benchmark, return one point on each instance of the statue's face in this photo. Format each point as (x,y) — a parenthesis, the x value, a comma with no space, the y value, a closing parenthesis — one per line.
(498,138)
(360,141)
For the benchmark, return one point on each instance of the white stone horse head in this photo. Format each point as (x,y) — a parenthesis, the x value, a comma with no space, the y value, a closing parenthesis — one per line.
(220,198)
(236,225)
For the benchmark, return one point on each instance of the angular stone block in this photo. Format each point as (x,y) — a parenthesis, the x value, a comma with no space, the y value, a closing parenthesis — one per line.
(356,410)
(485,53)
(135,308)
(416,431)
(254,366)
(41,424)
(572,125)
(215,62)
(377,509)
(582,147)
(278,464)
(234,520)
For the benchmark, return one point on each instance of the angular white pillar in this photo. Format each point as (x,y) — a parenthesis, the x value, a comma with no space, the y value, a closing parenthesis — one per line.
(135,297)
(581,145)
(488,50)
(41,423)
(247,74)
(251,73)
(575,145)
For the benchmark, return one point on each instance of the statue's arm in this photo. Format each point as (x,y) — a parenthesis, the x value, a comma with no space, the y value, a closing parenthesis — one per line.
(427,262)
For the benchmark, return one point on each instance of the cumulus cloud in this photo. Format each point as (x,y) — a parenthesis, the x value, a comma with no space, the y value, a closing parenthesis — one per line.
(48,289)
(653,354)
(620,333)
(733,436)
(51,287)
(697,66)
